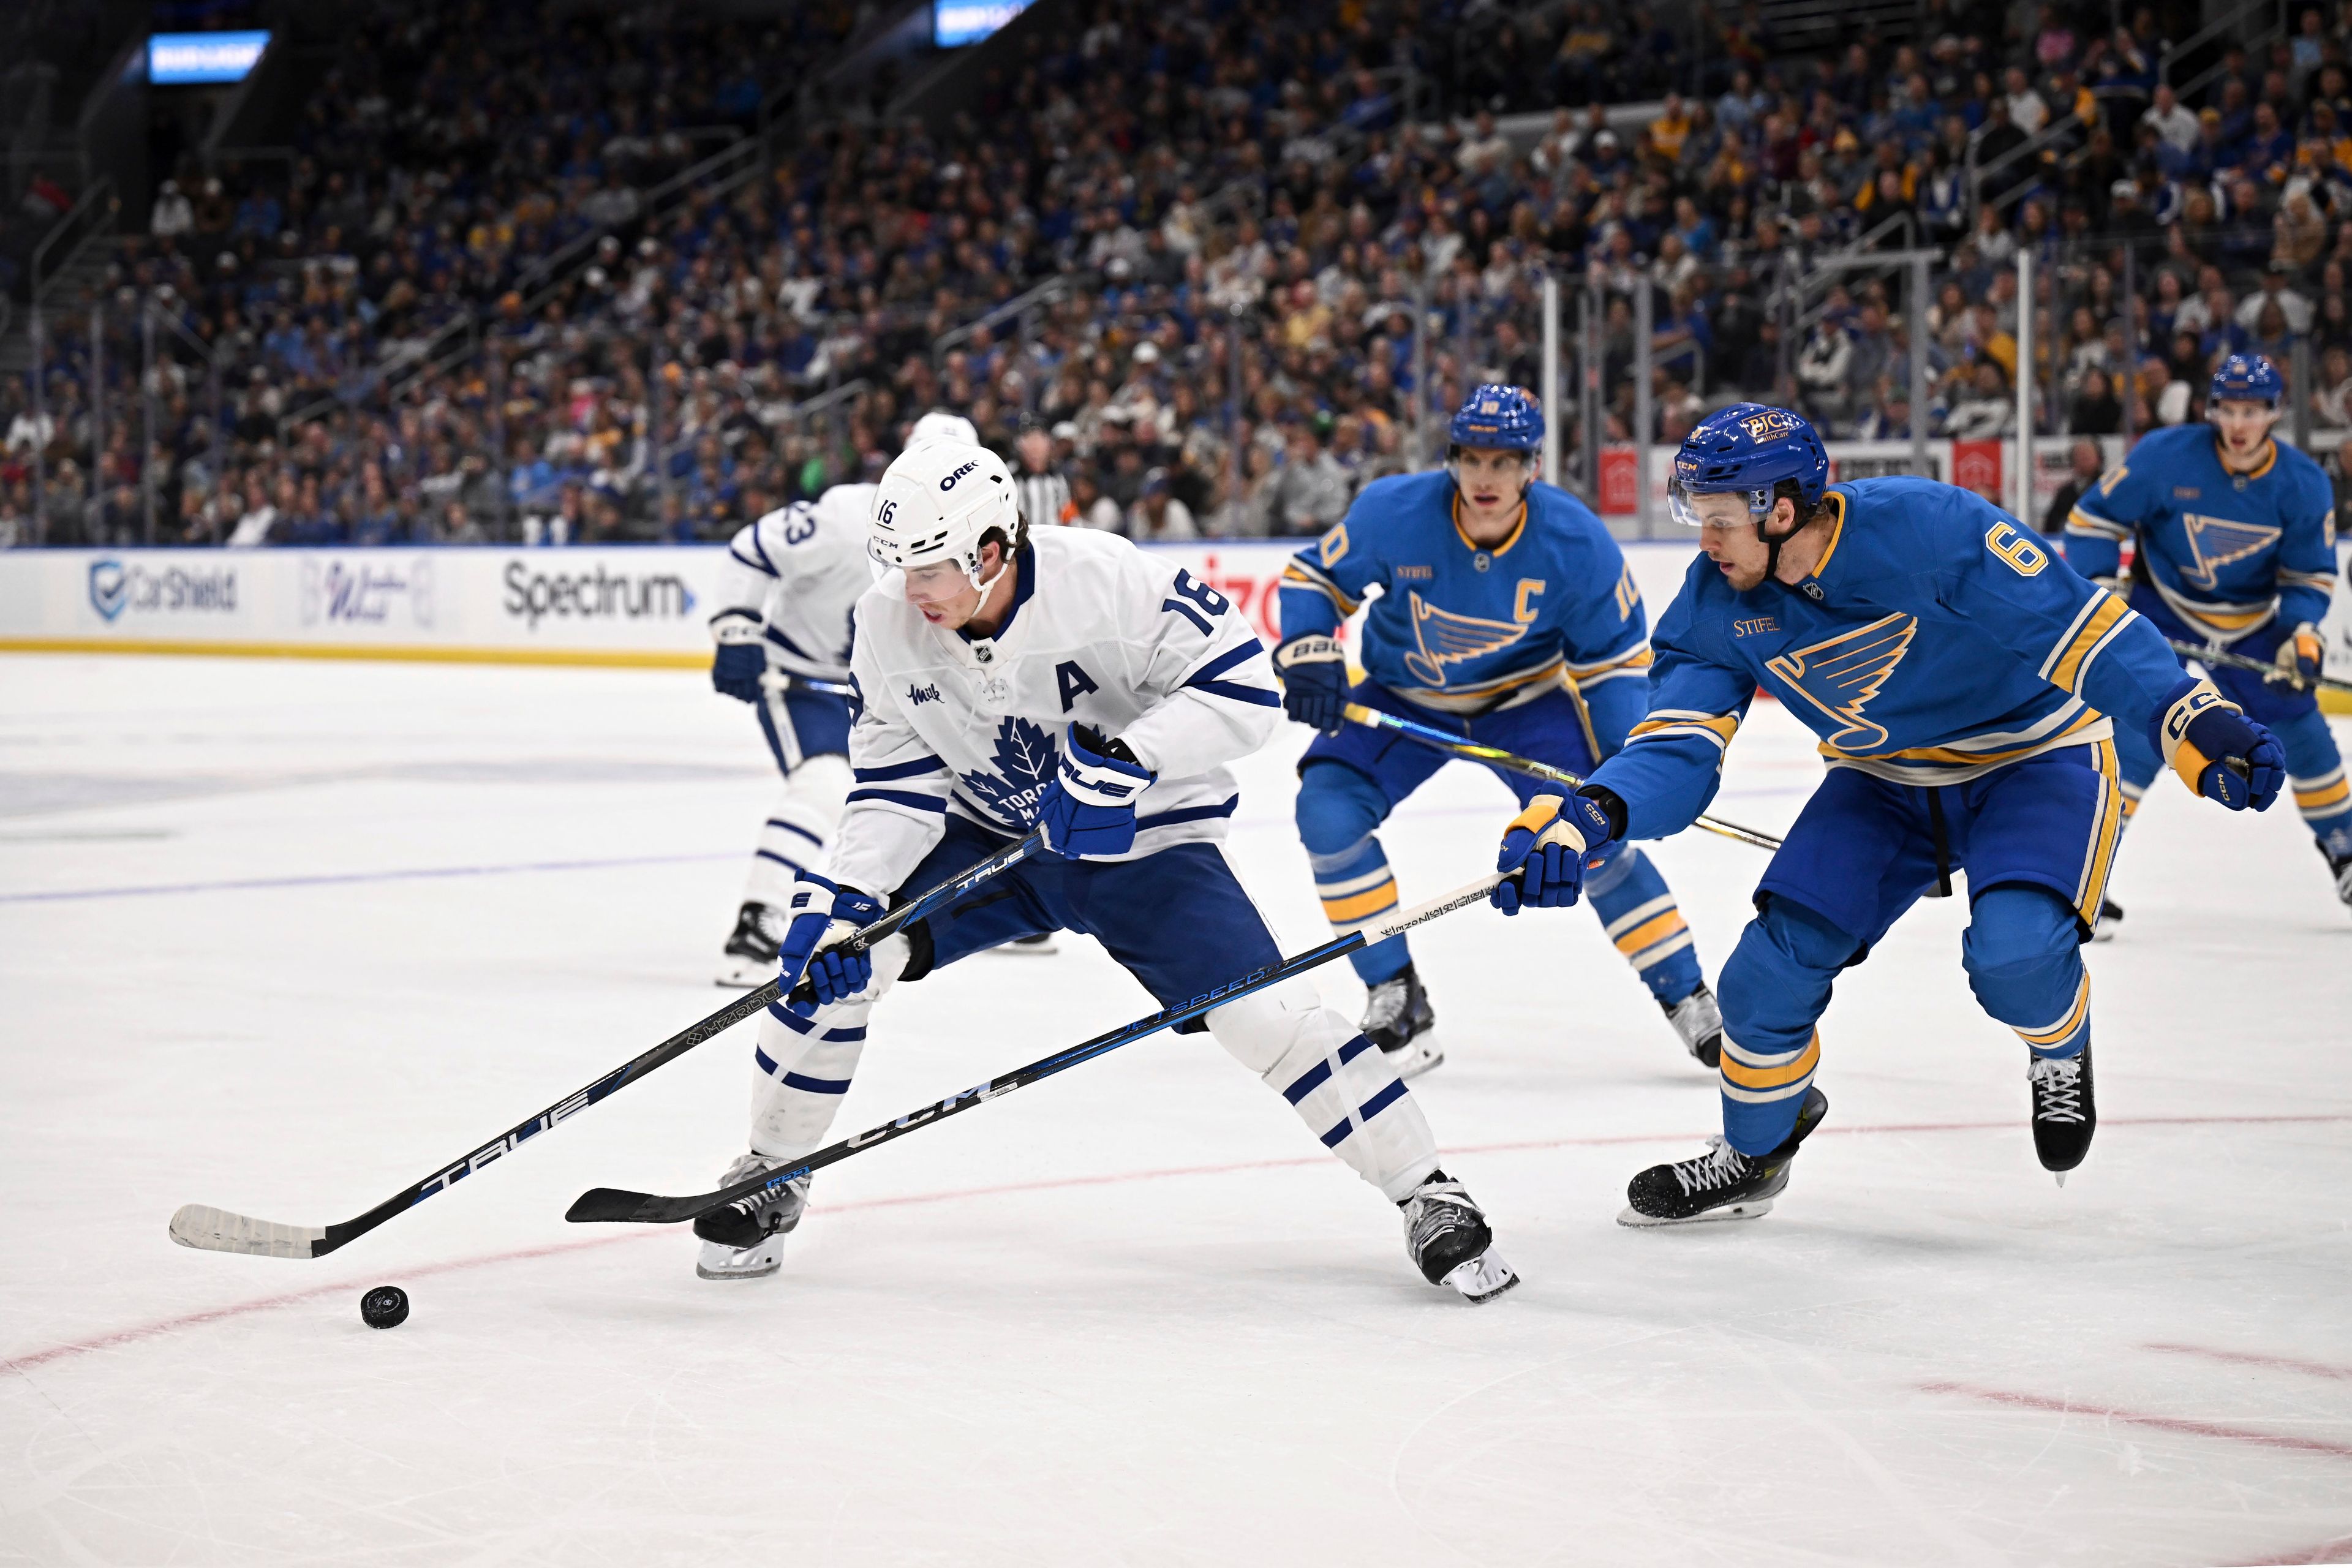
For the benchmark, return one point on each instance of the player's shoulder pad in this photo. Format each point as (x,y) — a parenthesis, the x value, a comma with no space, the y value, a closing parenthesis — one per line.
(1397,497)
(1563,514)
(1899,525)
(2311,482)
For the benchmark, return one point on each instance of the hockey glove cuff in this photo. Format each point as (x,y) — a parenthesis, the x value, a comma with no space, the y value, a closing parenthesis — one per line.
(1089,808)
(1313,670)
(822,915)
(742,657)
(1552,845)
(2217,750)
(2301,655)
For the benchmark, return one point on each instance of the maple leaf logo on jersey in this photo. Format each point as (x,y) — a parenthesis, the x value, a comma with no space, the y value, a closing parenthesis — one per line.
(1840,675)
(2216,542)
(1024,762)
(1442,638)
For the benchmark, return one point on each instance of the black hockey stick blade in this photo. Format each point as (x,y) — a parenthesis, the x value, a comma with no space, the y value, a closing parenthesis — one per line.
(600,1206)
(211,1229)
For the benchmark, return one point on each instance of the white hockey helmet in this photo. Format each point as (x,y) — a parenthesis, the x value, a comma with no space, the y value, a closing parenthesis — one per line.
(940,424)
(938,503)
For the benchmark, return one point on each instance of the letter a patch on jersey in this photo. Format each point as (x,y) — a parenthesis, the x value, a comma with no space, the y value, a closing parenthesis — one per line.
(1442,638)
(2215,542)
(1840,675)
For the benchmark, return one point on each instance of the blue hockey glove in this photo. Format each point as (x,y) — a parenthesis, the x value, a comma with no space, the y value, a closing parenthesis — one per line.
(823,914)
(2302,654)
(742,655)
(2217,750)
(1313,675)
(1550,844)
(1088,806)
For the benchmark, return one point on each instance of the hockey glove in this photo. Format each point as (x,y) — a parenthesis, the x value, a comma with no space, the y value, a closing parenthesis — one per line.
(1551,844)
(2217,750)
(823,914)
(1088,806)
(1313,674)
(2301,654)
(742,655)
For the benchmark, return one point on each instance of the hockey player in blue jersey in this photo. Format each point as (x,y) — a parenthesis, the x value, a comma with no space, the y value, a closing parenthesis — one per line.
(1506,615)
(1966,686)
(2234,548)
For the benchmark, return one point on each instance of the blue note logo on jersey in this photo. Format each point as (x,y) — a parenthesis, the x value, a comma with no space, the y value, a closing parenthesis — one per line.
(1024,762)
(1441,638)
(2215,542)
(1839,674)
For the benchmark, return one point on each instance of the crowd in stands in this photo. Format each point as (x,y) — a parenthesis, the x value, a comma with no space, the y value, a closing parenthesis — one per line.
(1221,261)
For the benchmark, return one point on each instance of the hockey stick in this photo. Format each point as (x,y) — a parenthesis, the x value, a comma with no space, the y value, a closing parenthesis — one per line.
(1473,751)
(2260,666)
(218,1230)
(782,681)
(609,1204)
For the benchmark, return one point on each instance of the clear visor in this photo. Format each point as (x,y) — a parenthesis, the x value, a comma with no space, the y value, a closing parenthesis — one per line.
(1680,504)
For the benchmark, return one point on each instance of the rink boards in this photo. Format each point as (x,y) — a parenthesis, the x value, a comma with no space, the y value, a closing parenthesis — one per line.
(628,605)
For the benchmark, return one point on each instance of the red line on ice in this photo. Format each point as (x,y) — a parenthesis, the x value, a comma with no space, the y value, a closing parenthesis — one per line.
(2142,1418)
(31,1359)
(2250,1358)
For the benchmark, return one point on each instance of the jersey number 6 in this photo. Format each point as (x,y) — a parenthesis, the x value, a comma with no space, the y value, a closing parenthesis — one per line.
(1189,587)
(2013,547)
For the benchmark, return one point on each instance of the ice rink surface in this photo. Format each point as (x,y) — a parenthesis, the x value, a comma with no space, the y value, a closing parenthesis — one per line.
(279,936)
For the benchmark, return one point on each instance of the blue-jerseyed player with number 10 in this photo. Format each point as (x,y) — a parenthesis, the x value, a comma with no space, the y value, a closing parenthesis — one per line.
(1504,614)
(1966,686)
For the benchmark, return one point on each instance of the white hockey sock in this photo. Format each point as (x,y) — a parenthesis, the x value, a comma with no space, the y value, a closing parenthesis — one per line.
(801,1067)
(797,831)
(1338,1081)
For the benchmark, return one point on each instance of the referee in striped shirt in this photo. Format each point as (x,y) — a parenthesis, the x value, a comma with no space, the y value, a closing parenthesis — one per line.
(1044,494)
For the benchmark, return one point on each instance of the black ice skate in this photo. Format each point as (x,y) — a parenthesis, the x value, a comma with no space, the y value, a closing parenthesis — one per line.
(1446,1237)
(1723,1182)
(745,1241)
(1699,1022)
(2110,920)
(750,955)
(1397,1018)
(2340,868)
(2064,1113)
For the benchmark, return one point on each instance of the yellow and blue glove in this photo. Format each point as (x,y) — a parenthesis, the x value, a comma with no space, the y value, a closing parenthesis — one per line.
(1552,845)
(2301,655)
(2218,752)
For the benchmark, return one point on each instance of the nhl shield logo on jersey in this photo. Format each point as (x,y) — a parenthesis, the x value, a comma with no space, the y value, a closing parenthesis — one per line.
(1024,762)
(1840,675)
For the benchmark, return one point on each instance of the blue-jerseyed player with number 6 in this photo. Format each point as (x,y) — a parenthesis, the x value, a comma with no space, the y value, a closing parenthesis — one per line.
(1503,614)
(1966,686)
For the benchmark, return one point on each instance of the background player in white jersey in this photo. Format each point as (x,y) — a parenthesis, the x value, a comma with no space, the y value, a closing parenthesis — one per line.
(1074,684)
(784,593)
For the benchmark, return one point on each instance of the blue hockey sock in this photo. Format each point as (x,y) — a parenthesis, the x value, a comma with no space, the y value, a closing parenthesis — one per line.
(2024,961)
(1337,810)
(1642,919)
(2315,772)
(1773,988)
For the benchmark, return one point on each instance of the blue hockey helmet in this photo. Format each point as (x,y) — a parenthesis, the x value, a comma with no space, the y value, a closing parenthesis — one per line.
(2251,377)
(1498,418)
(1746,448)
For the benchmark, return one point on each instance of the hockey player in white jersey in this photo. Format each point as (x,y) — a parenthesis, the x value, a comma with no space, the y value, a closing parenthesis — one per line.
(782,623)
(1070,683)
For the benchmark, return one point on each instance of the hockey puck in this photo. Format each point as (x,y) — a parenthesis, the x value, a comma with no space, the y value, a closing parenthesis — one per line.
(385,1307)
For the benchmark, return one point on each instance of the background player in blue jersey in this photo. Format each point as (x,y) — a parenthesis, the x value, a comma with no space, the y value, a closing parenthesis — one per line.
(2235,548)
(1965,684)
(1504,614)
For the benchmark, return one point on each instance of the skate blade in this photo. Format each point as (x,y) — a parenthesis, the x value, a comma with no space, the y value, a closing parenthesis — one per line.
(718,1262)
(1414,1057)
(1046,949)
(1754,1208)
(1483,1278)
(742,974)
(2103,932)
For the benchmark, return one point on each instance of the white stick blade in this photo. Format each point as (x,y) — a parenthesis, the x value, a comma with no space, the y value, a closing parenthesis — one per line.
(210,1230)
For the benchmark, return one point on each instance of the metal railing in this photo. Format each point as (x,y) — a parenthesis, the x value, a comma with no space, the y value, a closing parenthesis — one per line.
(2032,147)
(76,228)
(2219,28)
